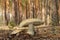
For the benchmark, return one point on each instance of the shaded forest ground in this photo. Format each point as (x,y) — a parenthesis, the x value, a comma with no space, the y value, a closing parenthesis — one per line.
(5,35)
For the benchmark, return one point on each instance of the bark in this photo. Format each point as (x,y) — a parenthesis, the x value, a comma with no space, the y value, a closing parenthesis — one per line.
(54,14)
(16,11)
(19,11)
(5,13)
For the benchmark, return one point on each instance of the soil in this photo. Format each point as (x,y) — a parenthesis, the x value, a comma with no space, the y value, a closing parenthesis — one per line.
(5,35)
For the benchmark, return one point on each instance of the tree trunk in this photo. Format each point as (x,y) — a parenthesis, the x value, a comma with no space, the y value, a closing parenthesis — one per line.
(16,11)
(5,12)
(54,15)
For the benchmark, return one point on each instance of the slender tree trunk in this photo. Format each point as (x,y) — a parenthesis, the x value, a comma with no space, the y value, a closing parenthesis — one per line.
(5,13)
(54,14)
(36,9)
(7,16)
(19,13)
(16,11)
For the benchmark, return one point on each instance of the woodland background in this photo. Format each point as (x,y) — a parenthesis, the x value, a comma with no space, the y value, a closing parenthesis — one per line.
(12,12)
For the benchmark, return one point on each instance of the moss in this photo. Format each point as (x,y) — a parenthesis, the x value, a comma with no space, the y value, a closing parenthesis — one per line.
(11,24)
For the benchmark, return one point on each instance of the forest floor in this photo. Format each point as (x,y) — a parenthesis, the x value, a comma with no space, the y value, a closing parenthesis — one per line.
(5,35)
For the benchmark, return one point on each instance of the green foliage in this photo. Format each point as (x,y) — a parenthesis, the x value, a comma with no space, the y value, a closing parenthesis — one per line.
(11,24)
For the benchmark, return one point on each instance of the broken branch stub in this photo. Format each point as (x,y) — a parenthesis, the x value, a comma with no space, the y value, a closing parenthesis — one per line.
(35,22)
(27,22)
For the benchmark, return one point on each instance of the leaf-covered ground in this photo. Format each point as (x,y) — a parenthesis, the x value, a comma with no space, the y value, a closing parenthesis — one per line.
(5,35)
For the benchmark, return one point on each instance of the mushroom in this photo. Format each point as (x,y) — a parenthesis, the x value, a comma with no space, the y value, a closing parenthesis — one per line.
(31,23)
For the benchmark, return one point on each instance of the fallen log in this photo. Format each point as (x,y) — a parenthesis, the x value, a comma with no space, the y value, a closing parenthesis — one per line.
(18,29)
(21,28)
